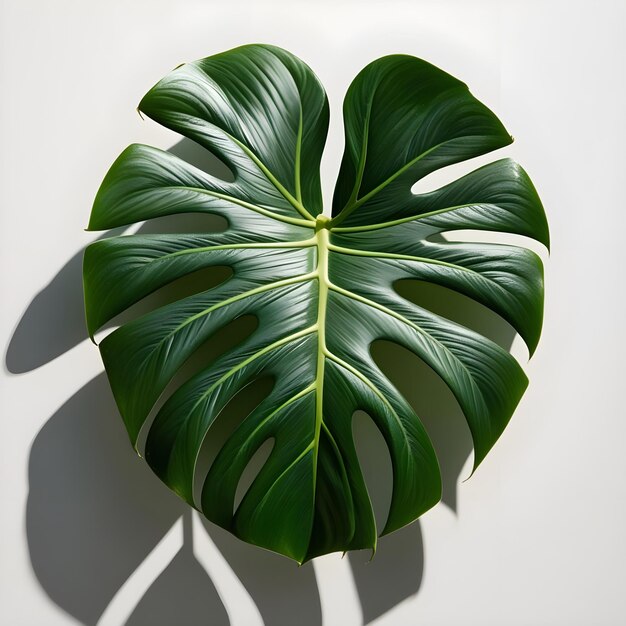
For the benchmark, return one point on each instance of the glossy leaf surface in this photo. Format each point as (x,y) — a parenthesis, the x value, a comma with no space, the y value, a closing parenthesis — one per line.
(321,289)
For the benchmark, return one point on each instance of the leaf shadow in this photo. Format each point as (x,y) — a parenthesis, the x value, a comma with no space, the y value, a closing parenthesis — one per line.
(95,511)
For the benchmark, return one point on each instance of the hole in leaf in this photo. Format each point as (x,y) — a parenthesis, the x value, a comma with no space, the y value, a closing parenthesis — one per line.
(451,173)
(203,159)
(436,407)
(235,411)
(467,235)
(458,308)
(183,287)
(220,342)
(184,223)
(251,471)
(375,463)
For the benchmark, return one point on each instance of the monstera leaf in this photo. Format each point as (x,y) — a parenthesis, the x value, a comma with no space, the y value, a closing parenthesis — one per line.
(321,288)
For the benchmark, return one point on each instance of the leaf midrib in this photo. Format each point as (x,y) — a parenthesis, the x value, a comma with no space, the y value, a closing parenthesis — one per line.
(321,236)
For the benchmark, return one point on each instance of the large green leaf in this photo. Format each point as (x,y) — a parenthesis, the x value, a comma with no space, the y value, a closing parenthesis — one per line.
(321,289)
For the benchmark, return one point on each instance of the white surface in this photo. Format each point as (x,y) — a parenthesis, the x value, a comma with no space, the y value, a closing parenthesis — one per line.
(539,535)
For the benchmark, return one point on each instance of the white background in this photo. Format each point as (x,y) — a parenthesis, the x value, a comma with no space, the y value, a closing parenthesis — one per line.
(538,534)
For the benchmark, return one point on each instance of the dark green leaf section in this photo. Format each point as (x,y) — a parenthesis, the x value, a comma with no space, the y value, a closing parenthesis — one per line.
(507,279)
(403,119)
(486,380)
(148,351)
(322,290)
(258,108)
(145,183)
